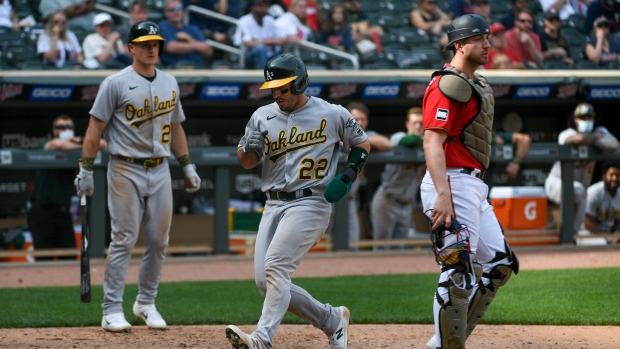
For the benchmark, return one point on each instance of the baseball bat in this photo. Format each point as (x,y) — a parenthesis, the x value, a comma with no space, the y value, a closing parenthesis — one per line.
(84,257)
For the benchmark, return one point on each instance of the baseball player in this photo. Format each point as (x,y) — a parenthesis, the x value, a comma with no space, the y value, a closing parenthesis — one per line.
(458,118)
(581,130)
(298,138)
(392,203)
(139,112)
(603,202)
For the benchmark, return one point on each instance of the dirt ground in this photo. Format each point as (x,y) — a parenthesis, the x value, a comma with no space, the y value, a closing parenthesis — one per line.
(304,336)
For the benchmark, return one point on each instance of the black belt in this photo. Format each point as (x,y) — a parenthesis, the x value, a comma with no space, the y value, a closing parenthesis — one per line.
(146,163)
(470,171)
(288,196)
(397,200)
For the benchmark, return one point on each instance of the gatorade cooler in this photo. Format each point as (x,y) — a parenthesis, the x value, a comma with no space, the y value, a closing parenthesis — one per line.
(520,207)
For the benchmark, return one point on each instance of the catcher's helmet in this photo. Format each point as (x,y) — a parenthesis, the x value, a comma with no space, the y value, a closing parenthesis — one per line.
(464,27)
(146,31)
(284,68)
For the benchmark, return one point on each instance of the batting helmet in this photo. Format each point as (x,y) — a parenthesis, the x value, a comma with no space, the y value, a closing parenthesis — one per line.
(284,68)
(464,27)
(146,31)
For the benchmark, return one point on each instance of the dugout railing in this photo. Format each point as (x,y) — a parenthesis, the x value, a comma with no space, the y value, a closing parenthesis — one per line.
(222,159)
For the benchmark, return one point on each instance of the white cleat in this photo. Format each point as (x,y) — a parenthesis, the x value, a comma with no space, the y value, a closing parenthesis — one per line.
(115,323)
(340,338)
(242,340)
(150,315)
(432,343)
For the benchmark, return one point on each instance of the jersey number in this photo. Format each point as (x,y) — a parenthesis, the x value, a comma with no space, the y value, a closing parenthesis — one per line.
(311,169)
(166,130)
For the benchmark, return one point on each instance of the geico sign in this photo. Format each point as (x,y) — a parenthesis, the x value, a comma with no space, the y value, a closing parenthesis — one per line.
(385,90)
(222,91)
(530,210)
(43,92)
(605,93)
(313,91)
(533,91)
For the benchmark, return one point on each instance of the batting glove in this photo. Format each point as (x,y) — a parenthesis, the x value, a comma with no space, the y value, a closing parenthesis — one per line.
(84,183)
(192,178)
(256,142)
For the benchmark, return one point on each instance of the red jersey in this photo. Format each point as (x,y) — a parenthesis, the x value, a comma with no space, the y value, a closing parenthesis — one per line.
(513,57)
(441,113)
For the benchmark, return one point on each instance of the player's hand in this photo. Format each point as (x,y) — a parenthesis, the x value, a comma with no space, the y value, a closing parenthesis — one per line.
(442,211)
(84,183)
(511,170)
(256,142)
(341,184)
(192,178)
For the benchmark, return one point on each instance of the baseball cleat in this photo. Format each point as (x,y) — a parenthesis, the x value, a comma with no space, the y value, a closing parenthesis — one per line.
(340,338)
(241,340)
(150,315)
(115,323)
(432,343)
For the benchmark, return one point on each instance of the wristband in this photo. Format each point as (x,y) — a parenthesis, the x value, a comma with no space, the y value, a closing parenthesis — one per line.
(184,160)
(517,159)
(88,163)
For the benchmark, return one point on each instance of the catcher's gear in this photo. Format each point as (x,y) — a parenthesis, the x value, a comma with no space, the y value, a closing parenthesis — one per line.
(465,26)
(84,183)
(146,31)
(192,178)
(256,142)
(284,68)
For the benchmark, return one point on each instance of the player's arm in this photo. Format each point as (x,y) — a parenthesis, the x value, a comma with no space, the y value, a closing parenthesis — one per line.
(379,142)
(436,163)
(247,160)
(71,143)
(84,182)
(590,223)
(522,143)
(178,146)
(340,185)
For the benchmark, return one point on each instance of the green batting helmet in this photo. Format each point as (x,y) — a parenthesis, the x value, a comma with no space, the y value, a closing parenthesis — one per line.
(146,31)
(464,27)
(284,68)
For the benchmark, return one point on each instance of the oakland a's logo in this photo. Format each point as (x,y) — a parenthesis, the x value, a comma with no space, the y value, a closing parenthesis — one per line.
(268,75)
(276,149)
(152,30)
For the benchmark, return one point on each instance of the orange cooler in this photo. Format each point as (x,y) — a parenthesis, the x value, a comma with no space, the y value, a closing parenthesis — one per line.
(520,207)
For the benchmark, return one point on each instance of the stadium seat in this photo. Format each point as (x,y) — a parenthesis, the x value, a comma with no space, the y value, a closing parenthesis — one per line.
(585,64)
(553,65)
(575,21)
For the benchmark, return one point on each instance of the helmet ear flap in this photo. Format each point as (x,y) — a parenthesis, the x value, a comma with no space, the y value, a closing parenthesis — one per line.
(298,87)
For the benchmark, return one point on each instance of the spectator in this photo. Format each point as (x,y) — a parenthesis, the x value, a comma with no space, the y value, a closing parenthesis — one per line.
(363,25)
(360,113)
(335,30)
(79,13)
(552,43)
(429,18)
(49,218)
(8,18)
(138,12)
(392,204)
(603,203)
(565,8)
(600,50)
(501,57)
(313,14)
(184,43)
(483,9)
(517,6)
(524,41)
(292,25)
(609,9)
(104,45)
(57,44)
(581,130)
(210,27)
(259,35)
(457,8)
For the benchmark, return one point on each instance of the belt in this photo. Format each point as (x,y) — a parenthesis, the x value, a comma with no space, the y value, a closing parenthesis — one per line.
(397,200)
(288,196)
(473,172)
(146,163)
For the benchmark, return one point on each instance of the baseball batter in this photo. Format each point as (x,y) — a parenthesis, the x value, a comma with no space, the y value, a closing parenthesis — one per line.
(298,139)
(139,112)
(603,202)
(458,118)
(392,203)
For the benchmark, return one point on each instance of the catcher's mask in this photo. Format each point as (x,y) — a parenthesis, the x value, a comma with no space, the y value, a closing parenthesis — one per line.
(450,245)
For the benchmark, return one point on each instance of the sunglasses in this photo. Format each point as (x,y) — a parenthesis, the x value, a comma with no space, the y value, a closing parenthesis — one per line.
(176,8)
(525,20)
(60,21)
(63,127)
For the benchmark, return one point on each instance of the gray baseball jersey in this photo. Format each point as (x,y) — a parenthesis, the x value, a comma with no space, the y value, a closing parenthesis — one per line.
(602,206)
(402,181)
(139,113)
(301,148)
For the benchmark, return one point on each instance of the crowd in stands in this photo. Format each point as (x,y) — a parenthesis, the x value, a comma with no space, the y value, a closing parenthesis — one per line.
(382,34)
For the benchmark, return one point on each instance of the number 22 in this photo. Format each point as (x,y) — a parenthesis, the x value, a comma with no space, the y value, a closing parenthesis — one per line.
(311,169)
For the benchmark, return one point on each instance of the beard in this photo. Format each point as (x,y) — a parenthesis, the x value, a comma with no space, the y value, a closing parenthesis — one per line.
(609,189)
